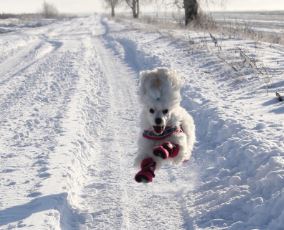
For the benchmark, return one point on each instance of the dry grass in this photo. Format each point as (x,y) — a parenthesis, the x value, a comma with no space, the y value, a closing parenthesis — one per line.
(206,23)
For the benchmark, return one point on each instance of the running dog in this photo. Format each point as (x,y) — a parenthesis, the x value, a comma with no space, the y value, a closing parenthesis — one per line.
(168,131)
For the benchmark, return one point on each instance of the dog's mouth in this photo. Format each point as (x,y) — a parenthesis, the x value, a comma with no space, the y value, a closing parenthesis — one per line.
(159,129)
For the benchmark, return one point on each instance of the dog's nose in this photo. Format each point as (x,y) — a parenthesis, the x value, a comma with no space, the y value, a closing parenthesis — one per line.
(158,121)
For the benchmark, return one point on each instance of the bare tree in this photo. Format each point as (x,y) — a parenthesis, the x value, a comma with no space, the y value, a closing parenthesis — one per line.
(135,7)
(112,4)
(190,10)
(49,10)
(190,7)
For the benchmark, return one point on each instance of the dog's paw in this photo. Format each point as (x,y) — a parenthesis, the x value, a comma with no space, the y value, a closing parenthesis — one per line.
(161,152)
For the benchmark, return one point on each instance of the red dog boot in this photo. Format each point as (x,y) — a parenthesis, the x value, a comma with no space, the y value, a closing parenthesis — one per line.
(146,173)
(172,149)
(161,151)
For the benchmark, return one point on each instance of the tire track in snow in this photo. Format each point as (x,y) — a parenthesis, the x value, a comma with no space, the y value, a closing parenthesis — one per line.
(31,123)
(14,71)
(103,191)
(34,118)
(111,196)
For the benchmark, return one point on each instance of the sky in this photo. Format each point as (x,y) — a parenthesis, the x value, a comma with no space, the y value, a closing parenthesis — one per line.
(87,6)
(31,6)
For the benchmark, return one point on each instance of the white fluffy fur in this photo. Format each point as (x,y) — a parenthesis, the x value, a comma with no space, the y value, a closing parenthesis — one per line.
(160,90)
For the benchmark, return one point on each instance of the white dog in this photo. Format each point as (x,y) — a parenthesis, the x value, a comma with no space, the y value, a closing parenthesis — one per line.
(168,131)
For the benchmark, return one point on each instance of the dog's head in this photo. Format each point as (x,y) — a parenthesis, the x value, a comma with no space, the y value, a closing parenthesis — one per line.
(160,94)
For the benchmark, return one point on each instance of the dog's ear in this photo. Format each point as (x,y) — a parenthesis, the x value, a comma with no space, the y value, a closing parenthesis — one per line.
(175,79)
(151,85)
(143,75)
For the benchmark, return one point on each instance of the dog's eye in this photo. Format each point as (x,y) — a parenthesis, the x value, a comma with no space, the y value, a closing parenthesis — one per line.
(152,110)
(165,111)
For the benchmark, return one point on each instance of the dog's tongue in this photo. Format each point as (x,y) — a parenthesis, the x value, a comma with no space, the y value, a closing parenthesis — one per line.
(158,129)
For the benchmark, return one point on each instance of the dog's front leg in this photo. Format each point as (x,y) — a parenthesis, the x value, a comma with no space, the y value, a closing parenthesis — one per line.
(181,141)
(146,161)
(145,148)
(166,150)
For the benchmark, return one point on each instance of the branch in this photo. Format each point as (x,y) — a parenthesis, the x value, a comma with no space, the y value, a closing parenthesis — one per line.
(129,4)
(178,4)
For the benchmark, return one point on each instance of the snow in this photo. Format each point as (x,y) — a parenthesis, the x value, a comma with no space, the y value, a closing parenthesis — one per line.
(70,120)
(259,21)
(15,24)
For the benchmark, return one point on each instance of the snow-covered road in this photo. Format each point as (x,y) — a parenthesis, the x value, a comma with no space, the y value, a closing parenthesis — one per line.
(70,120)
